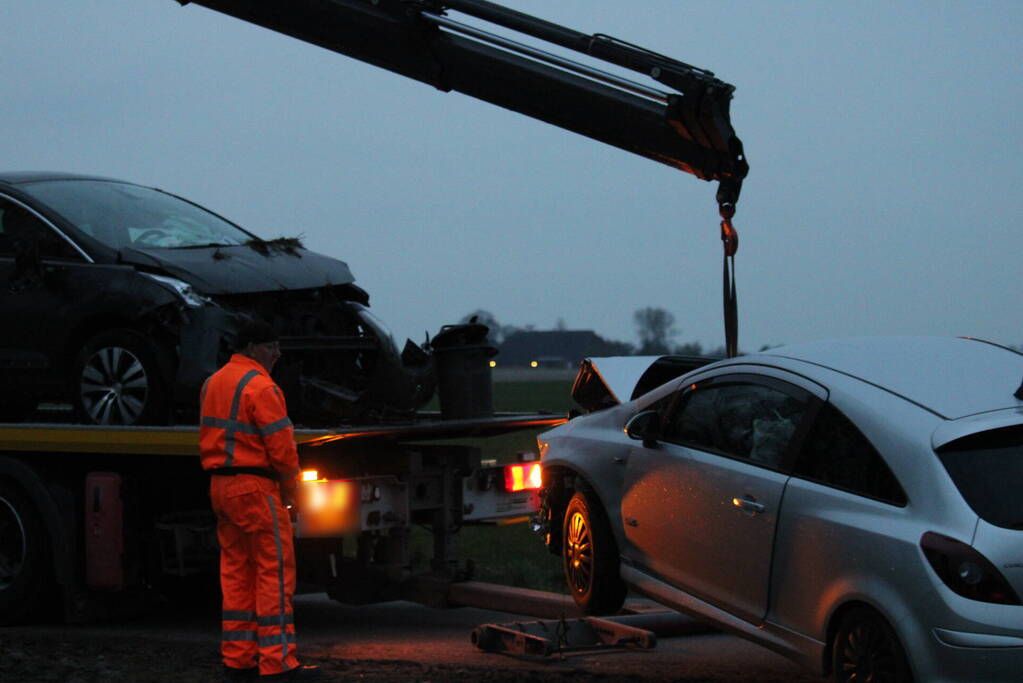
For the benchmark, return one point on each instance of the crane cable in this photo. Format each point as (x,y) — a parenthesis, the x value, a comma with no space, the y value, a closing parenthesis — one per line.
(728,194)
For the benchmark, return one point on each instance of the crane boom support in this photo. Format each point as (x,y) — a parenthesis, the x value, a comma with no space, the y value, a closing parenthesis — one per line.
(688,128)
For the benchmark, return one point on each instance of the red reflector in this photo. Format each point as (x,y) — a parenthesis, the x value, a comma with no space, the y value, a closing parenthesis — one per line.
(522,477)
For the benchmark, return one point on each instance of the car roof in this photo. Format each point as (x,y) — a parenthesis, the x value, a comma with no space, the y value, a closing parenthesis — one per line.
(951,376)
(17,177)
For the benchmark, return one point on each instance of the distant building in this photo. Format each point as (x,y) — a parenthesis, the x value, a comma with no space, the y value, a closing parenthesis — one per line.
(553,348)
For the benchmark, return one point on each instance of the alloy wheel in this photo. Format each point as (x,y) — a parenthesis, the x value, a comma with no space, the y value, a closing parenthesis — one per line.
(868,655)
(579,554)
(114,386)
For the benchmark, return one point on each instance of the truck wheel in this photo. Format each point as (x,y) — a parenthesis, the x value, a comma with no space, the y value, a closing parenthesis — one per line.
(590,557)
(117,381)
(24,556)
(866,649)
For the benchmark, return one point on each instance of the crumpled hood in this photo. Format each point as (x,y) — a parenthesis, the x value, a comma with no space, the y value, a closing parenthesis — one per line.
(244,270)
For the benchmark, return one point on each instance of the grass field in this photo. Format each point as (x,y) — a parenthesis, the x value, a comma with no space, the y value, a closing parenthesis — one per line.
(512,554)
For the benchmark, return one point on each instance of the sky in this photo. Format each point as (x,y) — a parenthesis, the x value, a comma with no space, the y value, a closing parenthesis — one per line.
(883,139)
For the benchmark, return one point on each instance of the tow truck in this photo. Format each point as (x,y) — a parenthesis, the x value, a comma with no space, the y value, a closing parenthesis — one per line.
(91,516)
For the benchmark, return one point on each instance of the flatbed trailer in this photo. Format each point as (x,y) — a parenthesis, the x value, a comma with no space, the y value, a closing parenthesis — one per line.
(93,517)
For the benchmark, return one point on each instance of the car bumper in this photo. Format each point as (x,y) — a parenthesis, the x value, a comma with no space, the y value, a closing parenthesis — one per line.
(992,663)
(984,644)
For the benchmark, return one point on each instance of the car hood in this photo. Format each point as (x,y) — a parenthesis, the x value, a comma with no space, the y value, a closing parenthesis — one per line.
(604,382)
(242,269)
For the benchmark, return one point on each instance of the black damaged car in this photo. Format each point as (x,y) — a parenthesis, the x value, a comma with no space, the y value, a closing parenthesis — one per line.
(121,299)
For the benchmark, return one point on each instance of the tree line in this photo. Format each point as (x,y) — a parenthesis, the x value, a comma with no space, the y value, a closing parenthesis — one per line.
(655,331)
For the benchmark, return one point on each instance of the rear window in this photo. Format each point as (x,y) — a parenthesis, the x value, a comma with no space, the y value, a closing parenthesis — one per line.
(988,469)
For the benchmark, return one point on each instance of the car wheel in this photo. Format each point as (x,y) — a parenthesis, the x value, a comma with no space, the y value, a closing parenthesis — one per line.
(866,650)
(117,381)
(24,555)
(590,557)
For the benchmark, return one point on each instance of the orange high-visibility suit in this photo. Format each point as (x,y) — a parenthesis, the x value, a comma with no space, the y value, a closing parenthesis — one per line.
(247,442)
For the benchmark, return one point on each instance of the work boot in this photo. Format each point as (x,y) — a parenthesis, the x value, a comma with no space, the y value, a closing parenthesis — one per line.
(299,673)
(232,674)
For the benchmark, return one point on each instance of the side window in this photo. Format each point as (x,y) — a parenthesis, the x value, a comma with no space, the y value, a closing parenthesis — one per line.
(744,420)
(23,233)
(837,454)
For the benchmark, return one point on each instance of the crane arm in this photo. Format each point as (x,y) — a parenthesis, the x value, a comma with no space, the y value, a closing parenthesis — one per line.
(684,124)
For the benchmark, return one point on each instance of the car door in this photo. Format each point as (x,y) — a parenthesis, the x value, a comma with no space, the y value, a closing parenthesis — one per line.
(701,503)
(37,294)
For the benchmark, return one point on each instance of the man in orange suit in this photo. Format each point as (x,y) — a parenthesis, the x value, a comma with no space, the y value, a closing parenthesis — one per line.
(247,445)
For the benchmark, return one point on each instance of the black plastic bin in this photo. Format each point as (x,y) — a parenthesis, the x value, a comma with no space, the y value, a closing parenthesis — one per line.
(461,357)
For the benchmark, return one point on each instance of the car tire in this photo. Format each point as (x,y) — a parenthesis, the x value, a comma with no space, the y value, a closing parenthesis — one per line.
(866,648)
(590,557)
(117,381)
(25,569)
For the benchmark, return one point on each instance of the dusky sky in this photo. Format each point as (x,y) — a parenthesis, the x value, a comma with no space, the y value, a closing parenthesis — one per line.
(883,196)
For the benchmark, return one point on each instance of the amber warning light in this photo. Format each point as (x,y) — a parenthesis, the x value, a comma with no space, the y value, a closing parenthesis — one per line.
(522,477)
(327,507)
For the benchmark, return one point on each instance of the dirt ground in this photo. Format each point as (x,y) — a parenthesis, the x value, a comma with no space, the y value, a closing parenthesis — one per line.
(32,658)
(397,641)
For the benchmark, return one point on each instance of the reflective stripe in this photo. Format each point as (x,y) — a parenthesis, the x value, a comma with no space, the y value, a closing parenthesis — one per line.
(275,427)
(224,423)
(237,615)
(238,636)
(280,581)
(235,405)
(283,638)
(272,619)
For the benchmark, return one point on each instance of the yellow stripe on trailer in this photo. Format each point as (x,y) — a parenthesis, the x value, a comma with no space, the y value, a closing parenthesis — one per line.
(55,438)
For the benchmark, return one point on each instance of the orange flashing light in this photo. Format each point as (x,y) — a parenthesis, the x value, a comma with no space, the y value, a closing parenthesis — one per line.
(310,475)
(526,476)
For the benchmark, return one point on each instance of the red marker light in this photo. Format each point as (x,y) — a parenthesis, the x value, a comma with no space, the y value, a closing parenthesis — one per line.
(522,477)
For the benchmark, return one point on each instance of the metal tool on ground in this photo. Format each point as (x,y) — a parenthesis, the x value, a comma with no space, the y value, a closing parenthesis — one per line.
(544,638)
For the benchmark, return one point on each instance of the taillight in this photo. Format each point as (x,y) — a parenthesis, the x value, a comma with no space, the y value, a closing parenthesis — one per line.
(522,476)
(966,571)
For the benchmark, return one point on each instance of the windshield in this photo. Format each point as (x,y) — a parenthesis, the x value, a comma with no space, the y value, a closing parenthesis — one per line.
(988,469)
(122,215)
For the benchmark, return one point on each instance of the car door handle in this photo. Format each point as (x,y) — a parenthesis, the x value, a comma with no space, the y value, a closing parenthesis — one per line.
(619,459)
(748,504)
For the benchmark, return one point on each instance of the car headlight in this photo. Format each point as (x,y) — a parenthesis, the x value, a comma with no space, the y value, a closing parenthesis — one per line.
(191,298)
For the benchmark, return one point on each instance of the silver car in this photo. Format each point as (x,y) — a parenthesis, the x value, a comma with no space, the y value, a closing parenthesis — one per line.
(854,505)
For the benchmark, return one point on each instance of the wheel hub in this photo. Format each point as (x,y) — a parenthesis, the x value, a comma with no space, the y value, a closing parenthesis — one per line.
(578,560)
(114,386)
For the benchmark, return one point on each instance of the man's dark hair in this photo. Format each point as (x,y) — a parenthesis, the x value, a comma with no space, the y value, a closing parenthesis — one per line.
(254,332)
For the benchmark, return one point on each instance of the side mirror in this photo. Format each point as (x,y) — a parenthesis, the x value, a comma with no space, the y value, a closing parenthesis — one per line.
(645,427)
